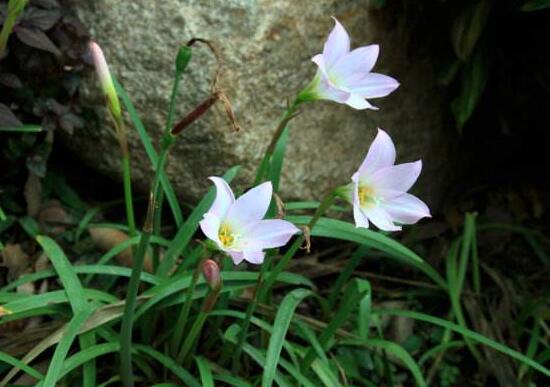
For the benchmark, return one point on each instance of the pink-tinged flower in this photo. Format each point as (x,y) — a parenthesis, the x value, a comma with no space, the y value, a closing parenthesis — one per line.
(238,227)
(105,78)
(345,76)
(379,189)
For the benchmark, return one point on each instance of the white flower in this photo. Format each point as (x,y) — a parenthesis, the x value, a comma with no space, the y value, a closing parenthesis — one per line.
(345,76)
(379,189)
(238,227)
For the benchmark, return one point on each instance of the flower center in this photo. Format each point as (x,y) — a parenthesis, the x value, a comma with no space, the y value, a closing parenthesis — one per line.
(226,236)
(366,196)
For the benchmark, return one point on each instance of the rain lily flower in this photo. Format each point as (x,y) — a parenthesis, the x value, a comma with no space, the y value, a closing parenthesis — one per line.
(237,226)
(379,189)
(105,79)
(345,76)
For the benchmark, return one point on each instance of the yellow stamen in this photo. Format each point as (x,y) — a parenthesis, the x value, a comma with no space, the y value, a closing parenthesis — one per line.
(366,196)
(226,235)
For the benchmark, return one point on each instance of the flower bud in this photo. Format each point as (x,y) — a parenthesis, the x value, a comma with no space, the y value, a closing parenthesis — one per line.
(105,79)
(183,58)
(211,272)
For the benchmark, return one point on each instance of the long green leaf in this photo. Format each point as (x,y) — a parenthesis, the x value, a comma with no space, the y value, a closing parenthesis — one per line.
(277,159)
(170,364)
(67,275)
(56,364)
(151,152)
(22,129)
(395,350)
(468,333)
(81,269)
(337,229)
(5,358)
(280,327)
(353,294)
(204,369)
(324,373)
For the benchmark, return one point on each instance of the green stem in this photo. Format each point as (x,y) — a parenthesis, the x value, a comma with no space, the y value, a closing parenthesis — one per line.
(264,286)
(156,227)
(283,263)
(126,372)
(245,323)
(15,8)
(193,333)
(127,181)
(288,115)
(137,268)
(185,310)
(153,207)
(206,307)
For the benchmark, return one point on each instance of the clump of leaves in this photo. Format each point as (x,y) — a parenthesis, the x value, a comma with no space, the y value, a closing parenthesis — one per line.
(40,70)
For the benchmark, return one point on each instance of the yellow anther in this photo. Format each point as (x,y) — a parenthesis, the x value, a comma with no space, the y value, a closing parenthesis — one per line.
(226,236)
(366,195)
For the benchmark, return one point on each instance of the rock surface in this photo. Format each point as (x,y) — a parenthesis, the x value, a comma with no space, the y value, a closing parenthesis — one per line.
(266,46)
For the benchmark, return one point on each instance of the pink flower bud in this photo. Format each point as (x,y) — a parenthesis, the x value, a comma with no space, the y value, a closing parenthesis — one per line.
(105,79)
(211,272)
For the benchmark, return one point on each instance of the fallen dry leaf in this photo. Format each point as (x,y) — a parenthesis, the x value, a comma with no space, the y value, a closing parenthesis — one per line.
(33,194)
(52,217)
(14,259)
(107,238)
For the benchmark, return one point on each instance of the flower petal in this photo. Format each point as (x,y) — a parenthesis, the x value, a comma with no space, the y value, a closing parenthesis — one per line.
(319,60)
(236,256)
(374,85)
(393,181)
(406,209)
(381,154)
(381,219)
(267,234)
(361,220)
(210,226)
(356,101)
(337,44)
(325,90)
(224,197)
(254,256)
(251,206)
(353,67)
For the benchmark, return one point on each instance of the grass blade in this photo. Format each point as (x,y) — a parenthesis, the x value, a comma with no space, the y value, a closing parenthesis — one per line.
(5,358)
(280,327)
(337,229)
(151,152)
(169,363)
(62,348)
(277,159)
(207,379)
(71,284)
(467,333)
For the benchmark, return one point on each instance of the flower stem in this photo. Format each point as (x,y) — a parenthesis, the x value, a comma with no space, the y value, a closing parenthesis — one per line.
(184,312)
(137,268)
(249,312)
(288,115)
(283,263)
(206,307)
(128,200)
